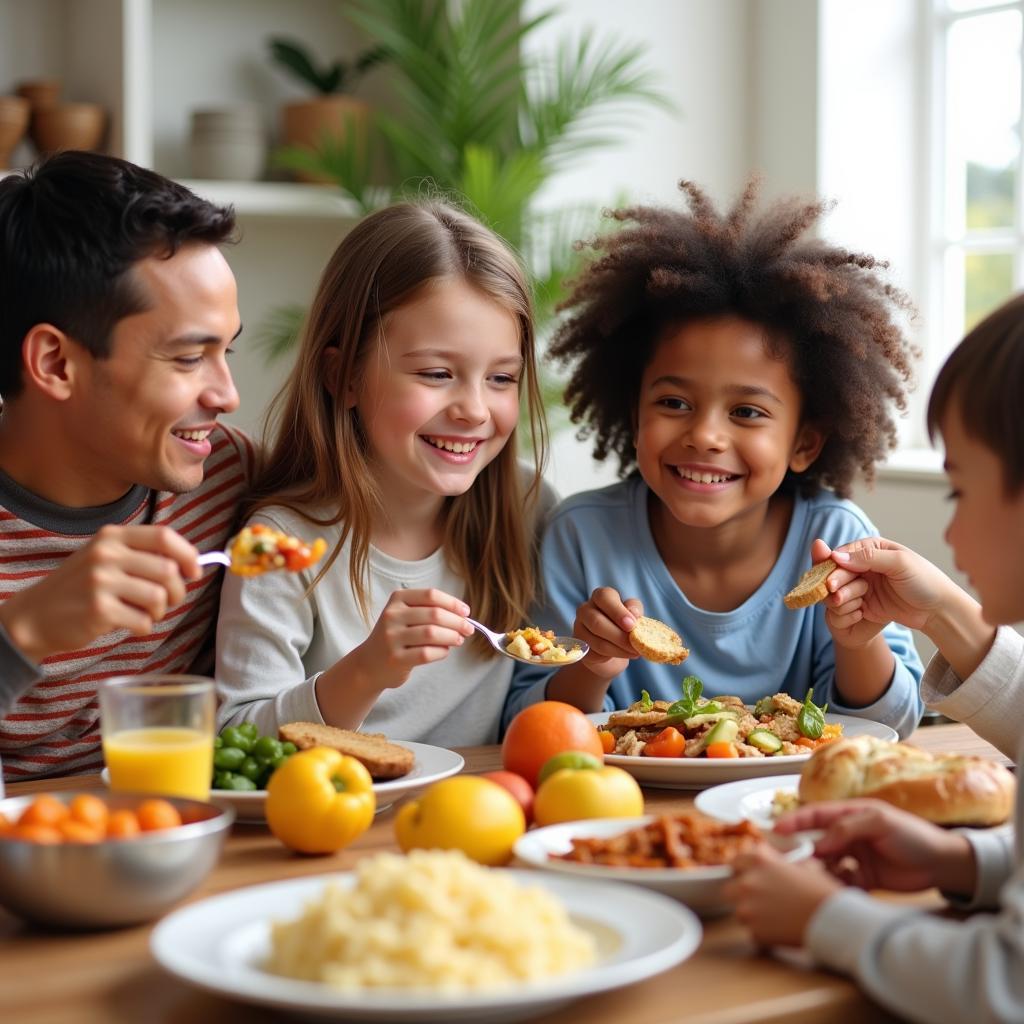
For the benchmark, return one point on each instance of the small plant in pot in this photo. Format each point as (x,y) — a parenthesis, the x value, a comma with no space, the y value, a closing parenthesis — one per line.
(332,114)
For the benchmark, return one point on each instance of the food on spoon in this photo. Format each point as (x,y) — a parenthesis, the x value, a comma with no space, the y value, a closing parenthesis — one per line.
(535,644)
(381,758)
(259,548)
(947,789)
(486,930)
(719,727)
(657,642)
(811,587)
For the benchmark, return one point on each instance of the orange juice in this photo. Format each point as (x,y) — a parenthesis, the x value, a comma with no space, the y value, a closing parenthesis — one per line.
(171,761)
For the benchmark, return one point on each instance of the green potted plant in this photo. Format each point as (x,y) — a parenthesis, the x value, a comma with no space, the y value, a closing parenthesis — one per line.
(332,112)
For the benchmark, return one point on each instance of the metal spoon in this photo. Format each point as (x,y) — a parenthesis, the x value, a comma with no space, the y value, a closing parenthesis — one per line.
(499,641)
(215,558)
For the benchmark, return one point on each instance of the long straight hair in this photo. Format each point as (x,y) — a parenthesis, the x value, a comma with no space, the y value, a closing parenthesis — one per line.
(317,455)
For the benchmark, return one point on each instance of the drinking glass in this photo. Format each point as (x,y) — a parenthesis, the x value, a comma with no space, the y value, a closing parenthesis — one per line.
(158,734)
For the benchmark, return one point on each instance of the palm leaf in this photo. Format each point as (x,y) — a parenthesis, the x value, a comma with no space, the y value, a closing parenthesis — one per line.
(279,333)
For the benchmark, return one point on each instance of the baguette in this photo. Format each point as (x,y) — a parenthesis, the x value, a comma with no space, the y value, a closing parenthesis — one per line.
(657,642)
(382,759)
(944,789)
(811,587)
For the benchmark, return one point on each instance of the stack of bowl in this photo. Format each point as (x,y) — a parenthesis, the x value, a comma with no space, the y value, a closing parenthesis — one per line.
(228,144)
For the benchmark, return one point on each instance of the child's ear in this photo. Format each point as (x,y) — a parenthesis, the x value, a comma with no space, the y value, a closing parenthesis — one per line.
(329,368)
(810,439)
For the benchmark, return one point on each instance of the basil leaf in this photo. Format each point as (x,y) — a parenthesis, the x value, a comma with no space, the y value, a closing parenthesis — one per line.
(686,706)
(811,720)
(645,701)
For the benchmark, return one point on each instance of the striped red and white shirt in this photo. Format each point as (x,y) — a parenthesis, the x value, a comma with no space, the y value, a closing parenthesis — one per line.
(53,727)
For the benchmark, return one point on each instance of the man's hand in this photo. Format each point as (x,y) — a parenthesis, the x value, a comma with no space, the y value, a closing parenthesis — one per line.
(126,577)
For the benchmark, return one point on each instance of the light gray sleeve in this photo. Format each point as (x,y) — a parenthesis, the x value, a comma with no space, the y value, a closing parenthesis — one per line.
(991,700)
(17,674)
(265,626)
(925,968)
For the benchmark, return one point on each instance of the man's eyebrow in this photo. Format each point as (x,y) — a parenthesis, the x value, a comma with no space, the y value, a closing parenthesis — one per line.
(748,390)
(188,340)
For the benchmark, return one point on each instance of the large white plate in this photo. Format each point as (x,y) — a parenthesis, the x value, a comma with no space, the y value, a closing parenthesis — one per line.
(698,888)
(432,764)
(746,800)
(218,944)
(699,772)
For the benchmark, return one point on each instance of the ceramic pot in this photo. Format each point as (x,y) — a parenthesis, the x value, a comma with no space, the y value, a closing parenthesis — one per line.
(41,94)
(68,126)
(14,113)
(308,122)
(228,144)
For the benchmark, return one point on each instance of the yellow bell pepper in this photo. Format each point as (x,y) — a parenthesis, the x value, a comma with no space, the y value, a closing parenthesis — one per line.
(319,800)
(573,793)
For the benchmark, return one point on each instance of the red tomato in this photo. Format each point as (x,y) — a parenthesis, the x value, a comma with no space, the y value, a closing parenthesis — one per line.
(670,742)
(517,786)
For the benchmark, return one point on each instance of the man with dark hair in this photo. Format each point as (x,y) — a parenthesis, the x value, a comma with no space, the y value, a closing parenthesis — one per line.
(117,313)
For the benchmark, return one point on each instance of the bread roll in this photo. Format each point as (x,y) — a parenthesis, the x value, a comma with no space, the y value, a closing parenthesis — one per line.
(945,789)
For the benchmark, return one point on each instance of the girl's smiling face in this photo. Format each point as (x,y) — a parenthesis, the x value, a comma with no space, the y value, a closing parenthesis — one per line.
(718,422)
(986,532)
(438,397)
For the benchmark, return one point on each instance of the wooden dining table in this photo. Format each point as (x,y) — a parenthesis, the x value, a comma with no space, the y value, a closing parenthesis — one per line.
(110,977)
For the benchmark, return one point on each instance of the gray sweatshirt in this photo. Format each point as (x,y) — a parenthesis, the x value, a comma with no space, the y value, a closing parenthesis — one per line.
(926,968)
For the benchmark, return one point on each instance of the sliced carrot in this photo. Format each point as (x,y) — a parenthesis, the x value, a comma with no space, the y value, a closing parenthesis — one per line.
(607,741)
(724,749)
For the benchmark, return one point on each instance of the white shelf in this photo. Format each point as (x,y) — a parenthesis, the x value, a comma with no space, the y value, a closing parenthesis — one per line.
(276,198)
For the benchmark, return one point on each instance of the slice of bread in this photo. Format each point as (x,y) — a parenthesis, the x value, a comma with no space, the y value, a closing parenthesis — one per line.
(382,759)
(657,642)
(811,588)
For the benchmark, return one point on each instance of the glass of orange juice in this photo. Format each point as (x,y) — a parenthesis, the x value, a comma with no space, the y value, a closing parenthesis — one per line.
(158,734)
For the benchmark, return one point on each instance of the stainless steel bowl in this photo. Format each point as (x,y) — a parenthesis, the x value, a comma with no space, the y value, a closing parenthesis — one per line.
(112,883)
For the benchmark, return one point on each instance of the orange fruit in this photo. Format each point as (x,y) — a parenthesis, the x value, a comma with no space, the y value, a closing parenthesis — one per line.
(122,825)
(90,810)
(44,810)
(78,832)
(157,814)
(542,730)
(36,834)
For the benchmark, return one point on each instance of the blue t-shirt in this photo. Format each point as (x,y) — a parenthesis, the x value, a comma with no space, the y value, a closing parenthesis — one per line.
(603,539)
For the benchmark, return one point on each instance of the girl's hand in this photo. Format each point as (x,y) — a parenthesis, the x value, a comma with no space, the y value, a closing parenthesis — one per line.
(604,622)
(879,581)
(416,627)
(874,845)
(775,898)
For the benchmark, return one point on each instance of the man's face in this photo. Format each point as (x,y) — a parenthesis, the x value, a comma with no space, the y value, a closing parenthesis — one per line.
(144,412)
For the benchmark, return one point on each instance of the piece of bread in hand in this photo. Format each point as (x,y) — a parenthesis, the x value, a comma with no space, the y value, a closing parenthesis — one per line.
(381,758)
(657,642)
(946,789)
(810,588)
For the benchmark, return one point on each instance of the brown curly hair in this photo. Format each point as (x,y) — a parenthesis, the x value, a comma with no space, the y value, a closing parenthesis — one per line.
(826,310)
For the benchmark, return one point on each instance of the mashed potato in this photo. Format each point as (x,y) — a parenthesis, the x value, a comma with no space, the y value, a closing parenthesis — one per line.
(430,920)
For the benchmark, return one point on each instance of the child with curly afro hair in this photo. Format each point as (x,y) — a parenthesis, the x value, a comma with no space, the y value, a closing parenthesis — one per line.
(742,374)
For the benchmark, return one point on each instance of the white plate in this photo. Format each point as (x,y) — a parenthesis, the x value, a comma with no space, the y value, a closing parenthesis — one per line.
(432,764)
(698,772)
(218,943)
(746,800)
(698,888)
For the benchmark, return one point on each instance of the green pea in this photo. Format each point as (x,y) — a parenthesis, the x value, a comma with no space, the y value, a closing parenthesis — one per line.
(250,768)
(218,742)
(240,784)
(228,758)
(249,729)
(288,748)
(222,780)
(266,748)
(234,737)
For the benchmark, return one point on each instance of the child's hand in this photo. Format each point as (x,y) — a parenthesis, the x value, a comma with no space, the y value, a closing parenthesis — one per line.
(874,845)
(878,582)
(415,627)
(776,898)
(604,622)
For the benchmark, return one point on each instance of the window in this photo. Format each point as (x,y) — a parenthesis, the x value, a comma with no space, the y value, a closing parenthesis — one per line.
(977,223)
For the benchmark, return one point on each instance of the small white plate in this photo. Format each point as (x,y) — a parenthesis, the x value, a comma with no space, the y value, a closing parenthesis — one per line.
(698,772)
(699,888)
(219,943)
(432,764)
(746,800)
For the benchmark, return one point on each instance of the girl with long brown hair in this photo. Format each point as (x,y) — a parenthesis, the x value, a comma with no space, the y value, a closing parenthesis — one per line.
(395,439)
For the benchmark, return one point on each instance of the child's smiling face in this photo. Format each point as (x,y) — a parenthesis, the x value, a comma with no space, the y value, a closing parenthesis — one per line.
(718,422)
(986,532)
